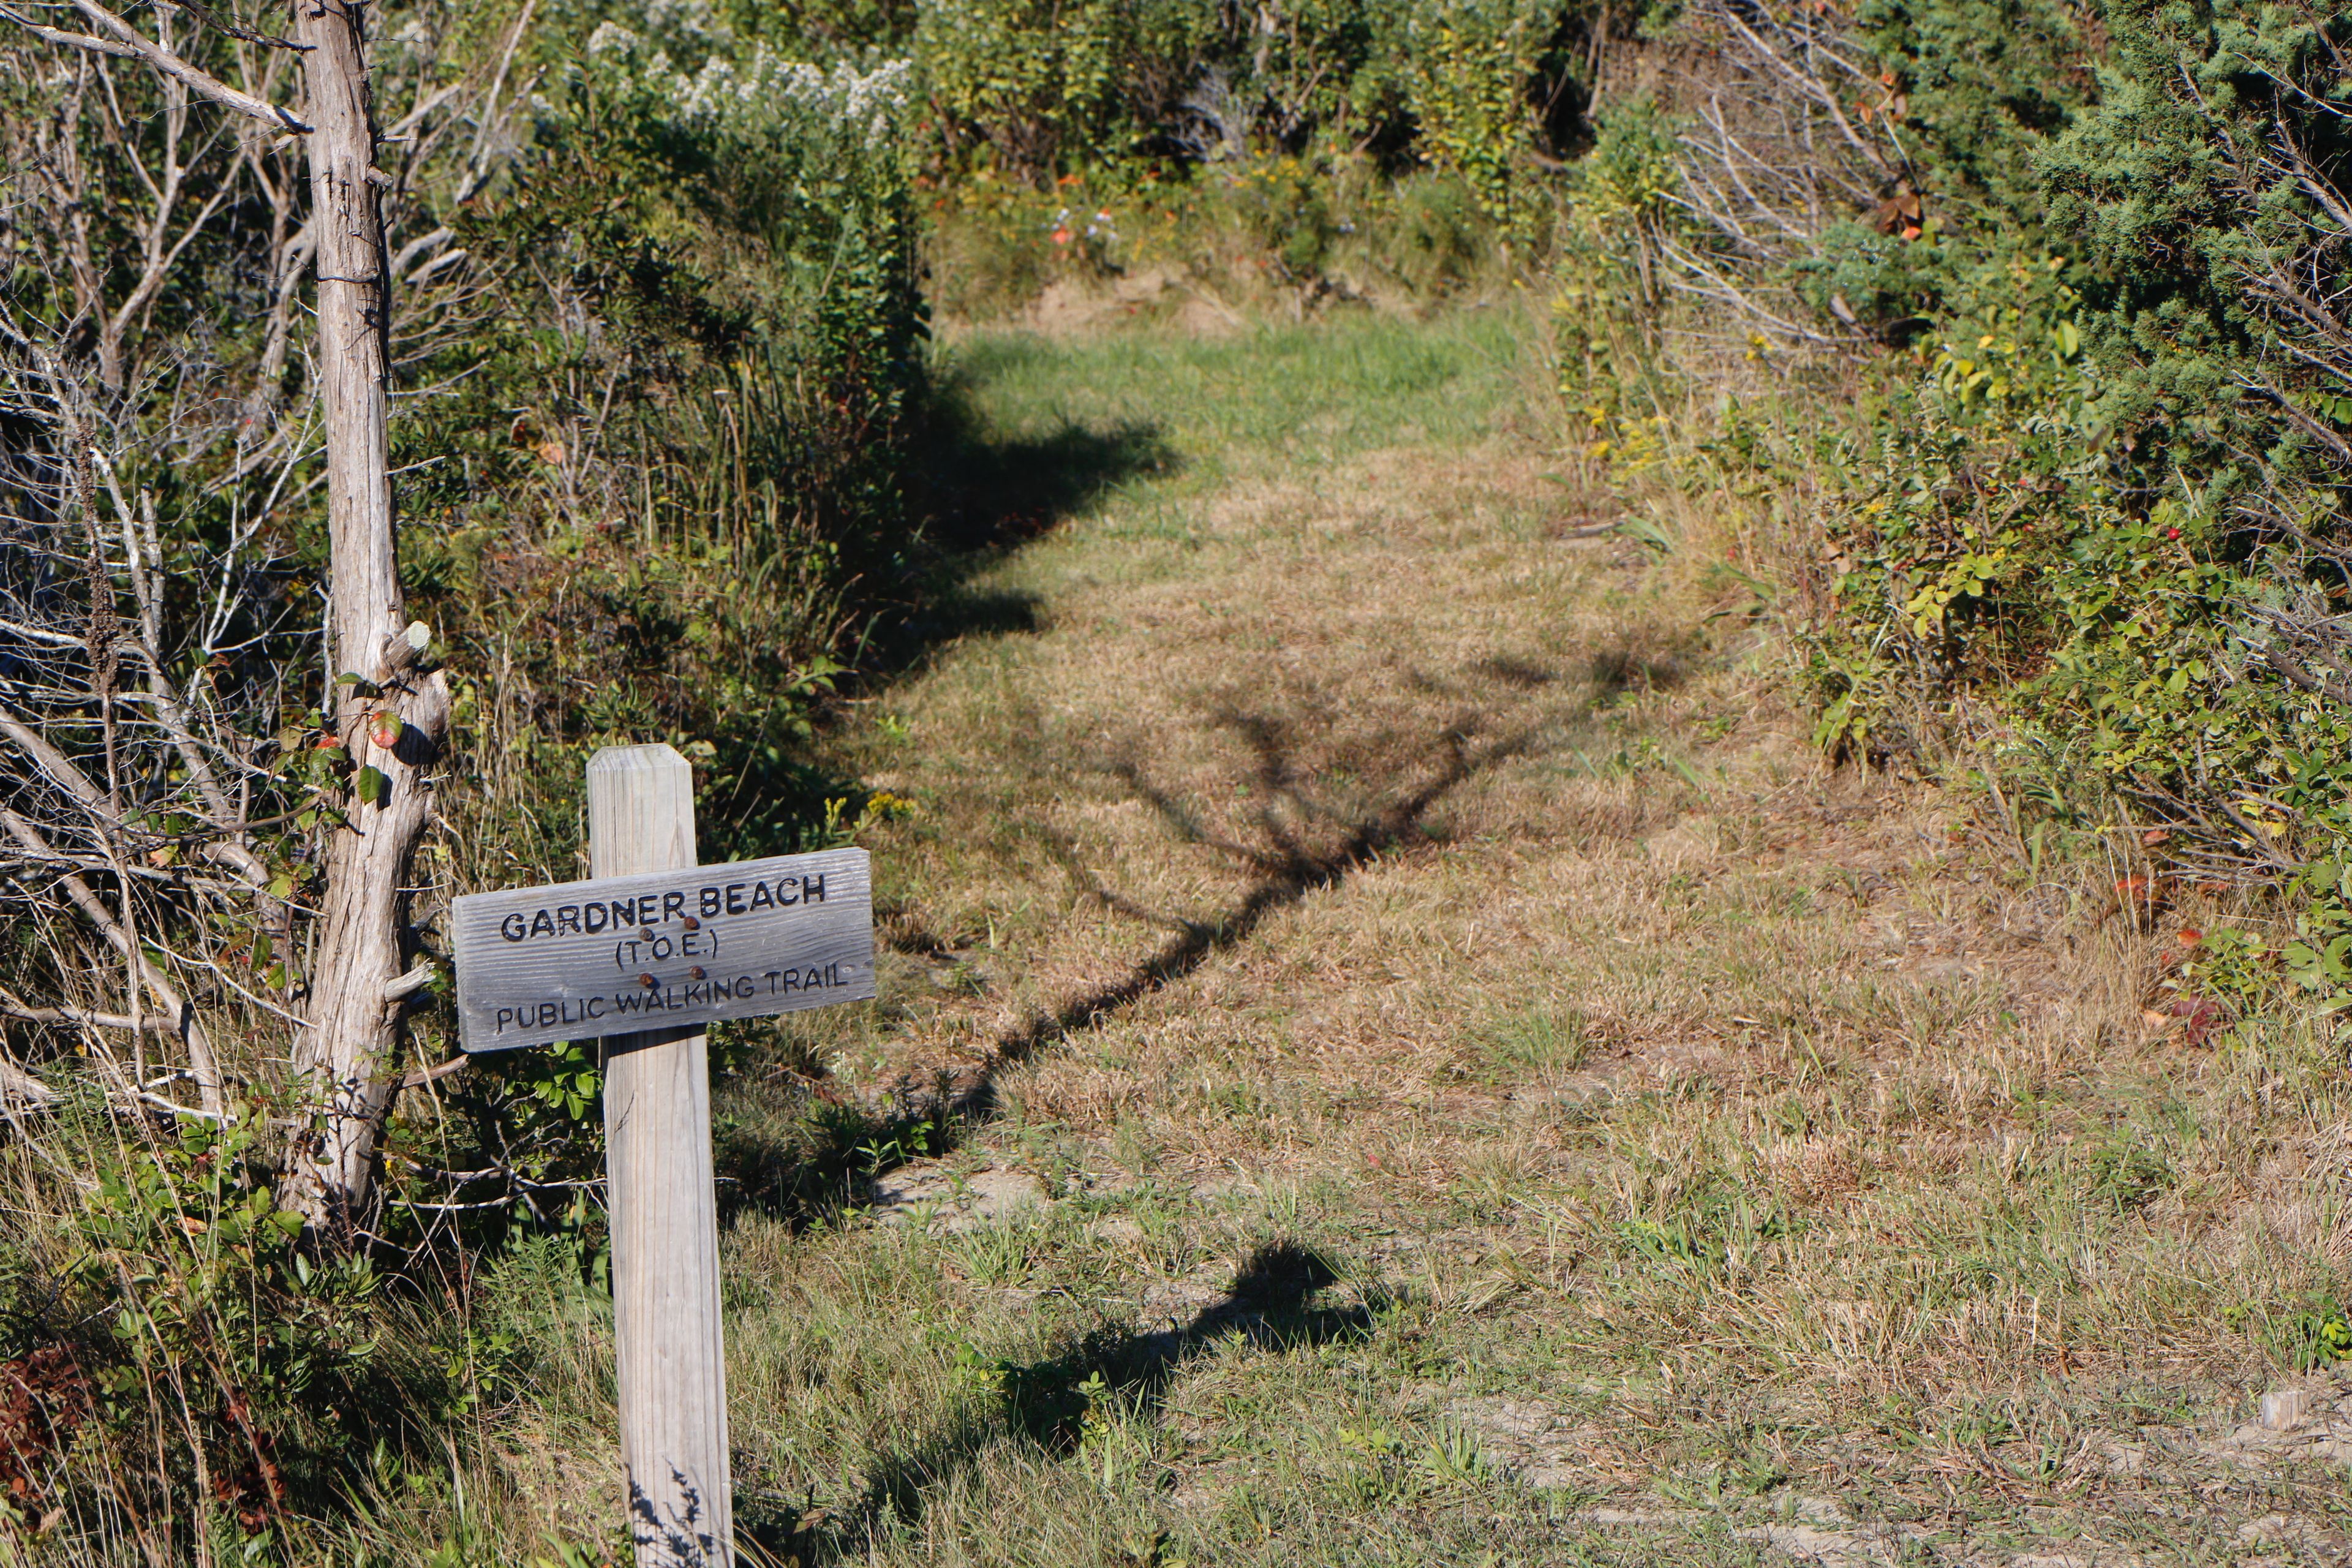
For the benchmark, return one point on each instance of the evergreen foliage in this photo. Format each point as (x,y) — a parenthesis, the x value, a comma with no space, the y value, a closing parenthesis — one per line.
(2103,493)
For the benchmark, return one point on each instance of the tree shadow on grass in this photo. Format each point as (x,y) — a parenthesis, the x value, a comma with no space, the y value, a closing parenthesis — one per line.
(981,493)
(795,1152)
(1285,867)
(1047,1403)
(978,493)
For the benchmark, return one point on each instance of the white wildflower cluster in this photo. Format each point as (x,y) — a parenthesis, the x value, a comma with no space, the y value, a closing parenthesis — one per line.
(770,88)
(761,95)
(689,28)
(613,41)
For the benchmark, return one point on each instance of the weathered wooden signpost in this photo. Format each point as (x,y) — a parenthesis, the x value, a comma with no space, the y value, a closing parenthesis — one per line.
(640,958)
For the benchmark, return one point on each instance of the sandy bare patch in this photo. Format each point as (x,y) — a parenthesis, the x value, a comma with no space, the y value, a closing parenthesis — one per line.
(952,1199)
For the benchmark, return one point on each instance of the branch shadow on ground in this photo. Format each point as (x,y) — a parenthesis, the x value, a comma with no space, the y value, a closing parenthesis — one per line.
(1050,1403)
(835,1145)
(1305,845)
(1286,867)
(981,491)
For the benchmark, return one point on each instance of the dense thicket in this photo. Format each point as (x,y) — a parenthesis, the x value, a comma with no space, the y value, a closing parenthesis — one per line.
(658,343)
(2102,487)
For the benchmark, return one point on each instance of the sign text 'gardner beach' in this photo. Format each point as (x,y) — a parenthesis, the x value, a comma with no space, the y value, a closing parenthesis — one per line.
(580,960)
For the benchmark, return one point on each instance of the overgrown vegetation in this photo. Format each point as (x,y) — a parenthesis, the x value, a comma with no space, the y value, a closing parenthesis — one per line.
(2000,340)
(1324,149)
(660,346)
(2084,532)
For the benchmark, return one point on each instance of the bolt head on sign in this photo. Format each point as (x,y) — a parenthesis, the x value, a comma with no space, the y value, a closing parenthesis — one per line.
(577,961)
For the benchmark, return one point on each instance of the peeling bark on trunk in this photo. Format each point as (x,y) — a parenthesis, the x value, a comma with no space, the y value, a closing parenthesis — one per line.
(347,1054)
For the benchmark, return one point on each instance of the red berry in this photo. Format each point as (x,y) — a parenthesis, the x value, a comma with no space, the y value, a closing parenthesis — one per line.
(2171,533)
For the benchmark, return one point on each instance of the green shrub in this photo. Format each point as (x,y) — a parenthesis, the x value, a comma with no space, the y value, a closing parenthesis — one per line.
(692,428)
(1284,206)
(207,1378)
(2157,189)
(1431,236)
(1463,70)
(2107,499)
(1305,142)
(1976,86)
(1043,86)
(1845,175)
(1621,213)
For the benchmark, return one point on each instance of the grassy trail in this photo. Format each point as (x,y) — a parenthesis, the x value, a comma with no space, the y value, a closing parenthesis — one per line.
(1406,1055)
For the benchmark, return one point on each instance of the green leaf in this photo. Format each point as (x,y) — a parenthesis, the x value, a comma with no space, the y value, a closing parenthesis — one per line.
(370,784)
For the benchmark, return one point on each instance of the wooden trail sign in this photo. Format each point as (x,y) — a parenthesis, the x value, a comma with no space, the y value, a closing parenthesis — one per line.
(673,945)
(689,946)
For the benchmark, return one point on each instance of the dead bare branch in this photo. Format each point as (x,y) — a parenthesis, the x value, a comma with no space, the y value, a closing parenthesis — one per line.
(124,41)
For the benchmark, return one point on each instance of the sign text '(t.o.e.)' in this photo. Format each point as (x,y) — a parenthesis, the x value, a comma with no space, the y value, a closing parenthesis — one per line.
(580,960)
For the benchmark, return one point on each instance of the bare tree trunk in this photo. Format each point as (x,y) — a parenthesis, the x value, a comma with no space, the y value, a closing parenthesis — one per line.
(394,720)
(390,712)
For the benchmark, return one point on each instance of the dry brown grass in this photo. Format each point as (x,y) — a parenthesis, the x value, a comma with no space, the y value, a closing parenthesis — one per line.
(1353,839)
(1425,1063)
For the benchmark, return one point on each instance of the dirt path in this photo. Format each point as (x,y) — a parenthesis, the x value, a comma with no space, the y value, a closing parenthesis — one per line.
(1405,1054)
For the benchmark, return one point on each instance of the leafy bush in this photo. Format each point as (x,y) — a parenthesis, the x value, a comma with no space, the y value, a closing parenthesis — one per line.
(1288,215)
(1845,175)
(692,432)
(1975,86)
(1271,113)
(1464,72)
(1043,86)
(2101,488)
(1434,237)
(187,1326)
